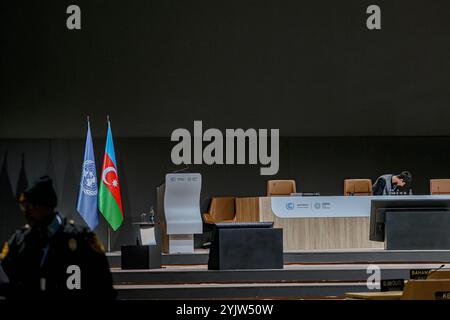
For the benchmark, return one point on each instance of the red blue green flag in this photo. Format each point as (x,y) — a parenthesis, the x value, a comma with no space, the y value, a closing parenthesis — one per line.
(109,200)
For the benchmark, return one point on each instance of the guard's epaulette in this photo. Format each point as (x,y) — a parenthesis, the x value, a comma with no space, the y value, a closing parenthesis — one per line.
(23,229)
(80,232)
(70,227)
(19,234)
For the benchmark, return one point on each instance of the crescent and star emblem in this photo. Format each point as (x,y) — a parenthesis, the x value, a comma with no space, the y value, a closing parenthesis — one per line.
(107,170)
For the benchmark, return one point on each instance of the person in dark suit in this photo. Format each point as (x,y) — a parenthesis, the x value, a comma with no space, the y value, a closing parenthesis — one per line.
(389,184)
(52,257)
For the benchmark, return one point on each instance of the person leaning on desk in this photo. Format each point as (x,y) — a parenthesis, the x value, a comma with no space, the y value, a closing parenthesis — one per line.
(388,184)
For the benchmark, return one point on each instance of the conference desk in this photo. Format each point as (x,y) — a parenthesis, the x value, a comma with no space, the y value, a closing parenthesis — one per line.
(322,222)
(390,295)
(429,289)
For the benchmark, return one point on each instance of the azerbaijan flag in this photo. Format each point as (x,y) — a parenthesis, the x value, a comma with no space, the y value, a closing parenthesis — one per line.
(109,201)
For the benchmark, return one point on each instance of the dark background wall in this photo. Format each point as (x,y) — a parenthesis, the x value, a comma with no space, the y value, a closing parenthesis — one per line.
(310,68)
(317,164)
(349,102)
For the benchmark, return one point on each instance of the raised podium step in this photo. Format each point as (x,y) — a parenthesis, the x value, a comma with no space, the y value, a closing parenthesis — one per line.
(300,281)
(239,291)
(315,257)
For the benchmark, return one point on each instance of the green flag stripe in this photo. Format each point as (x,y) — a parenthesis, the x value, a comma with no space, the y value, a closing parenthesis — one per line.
(109,208)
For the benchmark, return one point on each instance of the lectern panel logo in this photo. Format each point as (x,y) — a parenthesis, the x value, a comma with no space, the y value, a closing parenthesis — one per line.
(89,180)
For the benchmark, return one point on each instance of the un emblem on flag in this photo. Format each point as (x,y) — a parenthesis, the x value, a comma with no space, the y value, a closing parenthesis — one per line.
(89,180)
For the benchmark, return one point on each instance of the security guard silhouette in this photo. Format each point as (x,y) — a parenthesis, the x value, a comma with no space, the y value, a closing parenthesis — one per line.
(51,257)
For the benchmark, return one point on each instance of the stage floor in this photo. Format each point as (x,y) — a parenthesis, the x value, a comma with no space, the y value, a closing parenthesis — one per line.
(331,256)
(320,275)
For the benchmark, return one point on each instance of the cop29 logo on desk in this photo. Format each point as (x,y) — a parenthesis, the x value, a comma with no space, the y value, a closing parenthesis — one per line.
(290,206)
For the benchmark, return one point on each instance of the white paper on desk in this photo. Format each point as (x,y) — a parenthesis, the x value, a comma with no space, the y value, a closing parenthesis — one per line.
(148,236)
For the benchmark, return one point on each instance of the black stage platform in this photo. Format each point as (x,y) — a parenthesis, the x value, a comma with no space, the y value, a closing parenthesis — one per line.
(306,274)
(316,256)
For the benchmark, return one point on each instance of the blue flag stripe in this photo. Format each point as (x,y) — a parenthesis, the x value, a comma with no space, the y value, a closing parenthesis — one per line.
(110,146)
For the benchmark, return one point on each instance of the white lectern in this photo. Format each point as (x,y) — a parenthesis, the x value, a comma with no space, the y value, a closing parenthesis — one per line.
(182,210)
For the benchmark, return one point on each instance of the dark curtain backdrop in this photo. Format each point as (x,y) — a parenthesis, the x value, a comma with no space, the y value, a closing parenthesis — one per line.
(309,68)
(317,164)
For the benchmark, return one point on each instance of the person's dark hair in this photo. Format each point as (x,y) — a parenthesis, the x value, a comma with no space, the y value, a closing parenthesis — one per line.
(40,192)
(406,176)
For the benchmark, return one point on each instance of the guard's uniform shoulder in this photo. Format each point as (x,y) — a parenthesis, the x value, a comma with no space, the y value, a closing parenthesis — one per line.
(94,242)
(83,234)
(71,228)
(16,239)
(19,235)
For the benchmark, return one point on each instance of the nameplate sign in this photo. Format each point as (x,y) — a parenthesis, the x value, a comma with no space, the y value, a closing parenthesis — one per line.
(333,206)
(392,285)
(419,274)
(442,295)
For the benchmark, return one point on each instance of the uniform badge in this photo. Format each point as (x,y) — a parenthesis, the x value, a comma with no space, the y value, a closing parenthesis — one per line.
(73,244)
(5,251)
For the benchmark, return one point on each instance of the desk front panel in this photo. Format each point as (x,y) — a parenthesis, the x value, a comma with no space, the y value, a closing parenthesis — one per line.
(310,233)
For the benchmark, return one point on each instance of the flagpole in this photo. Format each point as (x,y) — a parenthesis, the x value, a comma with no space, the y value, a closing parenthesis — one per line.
(109,226)
(109,229)
(109,238)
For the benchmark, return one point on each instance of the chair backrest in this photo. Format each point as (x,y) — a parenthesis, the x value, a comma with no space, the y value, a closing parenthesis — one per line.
(426,290)
(439,274)
(281,187)
(440,186)
(222,208)
(357,187)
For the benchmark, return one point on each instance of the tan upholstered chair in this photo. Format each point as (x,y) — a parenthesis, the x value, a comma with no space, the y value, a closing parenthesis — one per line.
(426,289)
(440,186)
(357,187)
(439,274)
(429,289)
(221,209)
(280,187)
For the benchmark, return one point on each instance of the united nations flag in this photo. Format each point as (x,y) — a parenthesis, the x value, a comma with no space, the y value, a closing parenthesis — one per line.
(87,196)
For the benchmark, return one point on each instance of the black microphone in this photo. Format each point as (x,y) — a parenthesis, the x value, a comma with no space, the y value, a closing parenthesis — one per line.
(171,170)
(182,170)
